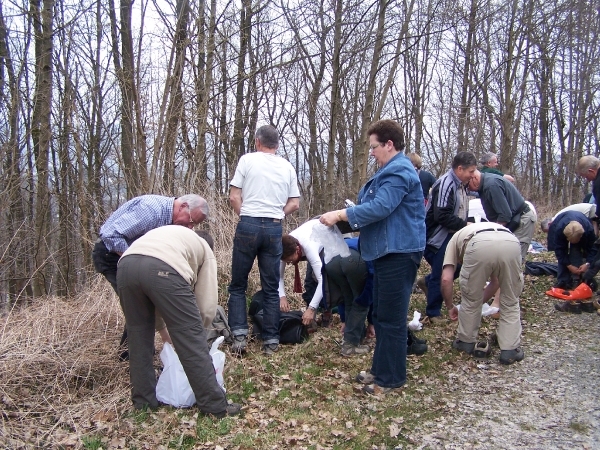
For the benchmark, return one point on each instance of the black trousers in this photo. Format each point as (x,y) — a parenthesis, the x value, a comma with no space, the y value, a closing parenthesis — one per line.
(105,262)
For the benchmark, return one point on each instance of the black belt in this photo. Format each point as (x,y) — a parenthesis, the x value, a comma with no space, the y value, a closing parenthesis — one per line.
(491,229)
(264,219)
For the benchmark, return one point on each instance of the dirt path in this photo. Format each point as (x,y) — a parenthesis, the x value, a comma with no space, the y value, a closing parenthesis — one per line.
(549,400)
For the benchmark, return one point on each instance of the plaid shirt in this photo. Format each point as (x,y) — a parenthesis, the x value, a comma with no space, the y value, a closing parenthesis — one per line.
(134,219)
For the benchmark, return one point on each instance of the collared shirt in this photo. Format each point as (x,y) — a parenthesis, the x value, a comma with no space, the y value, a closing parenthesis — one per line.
(134,219)
(455,251)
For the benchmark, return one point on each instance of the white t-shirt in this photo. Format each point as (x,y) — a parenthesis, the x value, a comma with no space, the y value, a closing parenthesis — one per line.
(313,237)
(267,182)
(587,209)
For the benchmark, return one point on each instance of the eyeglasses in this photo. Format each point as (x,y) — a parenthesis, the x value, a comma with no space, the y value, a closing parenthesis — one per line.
(371,147)
(191,220)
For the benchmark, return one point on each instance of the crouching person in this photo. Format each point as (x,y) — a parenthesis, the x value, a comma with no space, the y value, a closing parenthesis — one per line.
(487,251)
(171,272)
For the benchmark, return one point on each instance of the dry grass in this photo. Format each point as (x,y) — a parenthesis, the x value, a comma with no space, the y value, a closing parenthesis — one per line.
(59,369)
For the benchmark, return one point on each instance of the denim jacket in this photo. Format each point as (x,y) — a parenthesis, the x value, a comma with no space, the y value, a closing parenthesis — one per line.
(391,211)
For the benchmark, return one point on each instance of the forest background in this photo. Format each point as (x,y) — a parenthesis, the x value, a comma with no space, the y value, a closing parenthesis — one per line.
(100,102)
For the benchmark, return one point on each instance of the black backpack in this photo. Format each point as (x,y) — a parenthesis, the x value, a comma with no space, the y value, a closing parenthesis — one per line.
(291,329)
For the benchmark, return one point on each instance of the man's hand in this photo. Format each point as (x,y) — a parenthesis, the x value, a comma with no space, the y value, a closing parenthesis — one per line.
(573,269)
(584,267)
(284,306)
(453,313)
(164,335)
(308,316)
(332,217)
(370,331)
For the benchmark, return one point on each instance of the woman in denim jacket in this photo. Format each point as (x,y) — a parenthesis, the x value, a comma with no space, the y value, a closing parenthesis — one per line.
(391,219)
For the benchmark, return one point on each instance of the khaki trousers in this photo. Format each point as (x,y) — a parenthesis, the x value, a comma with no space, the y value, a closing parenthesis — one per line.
(491,254)
(525,231)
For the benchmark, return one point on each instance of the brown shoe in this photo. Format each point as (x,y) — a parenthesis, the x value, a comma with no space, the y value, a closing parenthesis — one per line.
(437,320)
(349,350)
(374,389)
(422,284)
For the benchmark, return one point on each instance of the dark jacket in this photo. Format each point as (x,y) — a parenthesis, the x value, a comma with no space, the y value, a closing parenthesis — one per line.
(499,197)
(557,241)
(596,192)
(441,217)
(427,181)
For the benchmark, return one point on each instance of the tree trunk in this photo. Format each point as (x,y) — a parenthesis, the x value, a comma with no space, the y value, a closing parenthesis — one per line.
(360,152)
(43,17)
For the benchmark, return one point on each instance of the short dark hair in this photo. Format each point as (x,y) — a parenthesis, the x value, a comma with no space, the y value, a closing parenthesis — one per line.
(207,237)
(388,130)
(268,136)
(290,244)
(464,159)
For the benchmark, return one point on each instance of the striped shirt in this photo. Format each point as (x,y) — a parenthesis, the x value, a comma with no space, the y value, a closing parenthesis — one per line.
(134,219)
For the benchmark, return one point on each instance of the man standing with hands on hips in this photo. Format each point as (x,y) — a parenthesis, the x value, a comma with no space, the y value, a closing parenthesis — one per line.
(264,189)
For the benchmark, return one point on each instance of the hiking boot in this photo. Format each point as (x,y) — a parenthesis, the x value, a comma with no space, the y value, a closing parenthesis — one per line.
(563,285)
(374,389)
(239,344)
(422,284)
(351,350)
(571,307)
(510,356)
(433,320)
(412,338)
(365,377)
(269,349)
(466,347)
(232,409)
(416,348)
(437,320)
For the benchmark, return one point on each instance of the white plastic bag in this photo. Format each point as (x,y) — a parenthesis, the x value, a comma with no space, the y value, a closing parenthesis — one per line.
(414,324)
(218,359)
(486,310)
(332,241)
(173,387)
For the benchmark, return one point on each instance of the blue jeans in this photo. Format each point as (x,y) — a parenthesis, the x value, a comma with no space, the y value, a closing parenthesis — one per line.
(434,279)
(394,275)
(255,237)
(563,276)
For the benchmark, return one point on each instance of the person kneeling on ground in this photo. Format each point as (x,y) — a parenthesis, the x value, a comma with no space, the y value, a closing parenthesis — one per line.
(571,236)
(173,272)
(487,251)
